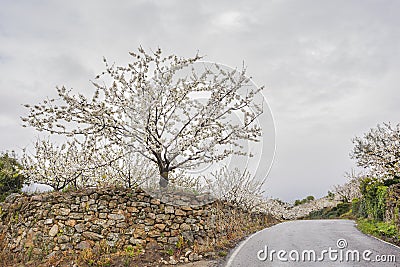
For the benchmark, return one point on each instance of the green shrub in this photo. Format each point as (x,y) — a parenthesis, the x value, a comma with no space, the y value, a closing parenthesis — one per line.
(366,226)
(310,198)
(392,181)
(355,206)
(386,229)
(377,228)
(342,208)
(11,179)
(331,195)
(374,196)
(340,211)
(304,200)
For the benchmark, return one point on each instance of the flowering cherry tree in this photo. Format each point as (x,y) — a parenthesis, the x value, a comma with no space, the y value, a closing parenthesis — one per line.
(130,170)
(379,151)
(149,107)
(351,189)
(72,164)
(237,187)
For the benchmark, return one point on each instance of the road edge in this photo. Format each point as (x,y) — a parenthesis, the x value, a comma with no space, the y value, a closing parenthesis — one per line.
(377,238)
(236,250)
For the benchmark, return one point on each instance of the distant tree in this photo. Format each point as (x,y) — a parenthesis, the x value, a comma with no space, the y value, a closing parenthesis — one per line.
(378,151)
(310,198)
(237,187)
(281,202)
(351,189)
(149,107)
(304,200)
(330,195)
(11,178)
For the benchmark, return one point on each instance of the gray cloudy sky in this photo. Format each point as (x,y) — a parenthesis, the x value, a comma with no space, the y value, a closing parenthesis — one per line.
(329,66)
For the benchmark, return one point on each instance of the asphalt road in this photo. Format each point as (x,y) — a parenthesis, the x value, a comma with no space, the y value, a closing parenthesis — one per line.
(335,243)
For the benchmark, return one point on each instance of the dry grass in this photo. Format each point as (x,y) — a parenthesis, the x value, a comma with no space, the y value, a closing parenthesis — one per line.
(229,230)
(101,255)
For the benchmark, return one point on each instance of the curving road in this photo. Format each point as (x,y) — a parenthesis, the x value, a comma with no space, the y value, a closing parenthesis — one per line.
(313,243)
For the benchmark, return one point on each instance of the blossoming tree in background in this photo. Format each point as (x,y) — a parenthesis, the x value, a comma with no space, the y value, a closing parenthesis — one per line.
(238,187)
(351,189)
(378,151)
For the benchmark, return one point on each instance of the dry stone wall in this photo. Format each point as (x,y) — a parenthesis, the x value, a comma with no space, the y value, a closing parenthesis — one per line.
(51,222)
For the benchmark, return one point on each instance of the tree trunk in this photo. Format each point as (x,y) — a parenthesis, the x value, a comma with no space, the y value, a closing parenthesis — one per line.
(163,179)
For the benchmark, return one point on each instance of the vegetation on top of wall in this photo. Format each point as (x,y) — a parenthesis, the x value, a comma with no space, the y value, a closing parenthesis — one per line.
(11,179)
(374,197)
(373,204)
(371,210)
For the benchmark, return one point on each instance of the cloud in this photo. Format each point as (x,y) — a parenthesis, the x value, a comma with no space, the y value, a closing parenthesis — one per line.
(229,20)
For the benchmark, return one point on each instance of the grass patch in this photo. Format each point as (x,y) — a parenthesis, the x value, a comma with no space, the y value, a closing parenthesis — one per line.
(383,230)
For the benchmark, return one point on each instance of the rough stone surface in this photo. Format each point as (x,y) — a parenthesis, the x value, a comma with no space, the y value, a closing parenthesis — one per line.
(83,245)
(92,236)
(53,230)
(78,220)
(48,221)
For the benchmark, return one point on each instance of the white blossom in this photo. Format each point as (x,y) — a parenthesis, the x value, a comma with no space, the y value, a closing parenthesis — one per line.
(237,187)
(351,189)
(378,151)
(146,108)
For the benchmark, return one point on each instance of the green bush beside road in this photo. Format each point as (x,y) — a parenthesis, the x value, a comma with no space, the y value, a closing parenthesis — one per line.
(376,211)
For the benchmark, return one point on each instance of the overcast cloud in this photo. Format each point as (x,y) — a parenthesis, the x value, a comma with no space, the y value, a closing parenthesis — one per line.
(330,67)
